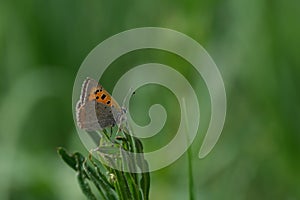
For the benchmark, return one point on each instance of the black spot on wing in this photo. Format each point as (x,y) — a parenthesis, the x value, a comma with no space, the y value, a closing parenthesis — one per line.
(103,96)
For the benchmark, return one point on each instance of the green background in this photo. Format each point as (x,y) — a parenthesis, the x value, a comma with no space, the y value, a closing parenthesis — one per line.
(255,44)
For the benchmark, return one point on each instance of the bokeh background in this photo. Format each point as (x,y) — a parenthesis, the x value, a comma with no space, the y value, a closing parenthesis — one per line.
(254,43)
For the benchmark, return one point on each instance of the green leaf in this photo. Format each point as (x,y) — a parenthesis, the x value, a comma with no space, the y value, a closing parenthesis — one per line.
(143,164)
(81,177)
(124,185)
(69,159)
(101,182)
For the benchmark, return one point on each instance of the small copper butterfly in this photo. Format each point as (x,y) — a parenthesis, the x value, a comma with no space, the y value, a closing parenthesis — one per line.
(96,109)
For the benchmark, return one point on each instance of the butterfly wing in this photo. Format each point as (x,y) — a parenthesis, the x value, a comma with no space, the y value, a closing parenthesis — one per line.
(94,107)
(104,115)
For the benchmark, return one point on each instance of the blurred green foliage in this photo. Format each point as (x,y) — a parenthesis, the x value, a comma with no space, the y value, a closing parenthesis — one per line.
(254,43)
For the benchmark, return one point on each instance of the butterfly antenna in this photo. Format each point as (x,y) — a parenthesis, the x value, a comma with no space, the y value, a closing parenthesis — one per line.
(124,110)
(127,97)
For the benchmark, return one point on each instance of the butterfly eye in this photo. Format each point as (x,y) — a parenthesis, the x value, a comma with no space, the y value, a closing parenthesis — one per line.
(124,110)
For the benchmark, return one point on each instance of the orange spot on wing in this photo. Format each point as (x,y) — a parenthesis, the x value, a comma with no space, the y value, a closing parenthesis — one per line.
(100,95)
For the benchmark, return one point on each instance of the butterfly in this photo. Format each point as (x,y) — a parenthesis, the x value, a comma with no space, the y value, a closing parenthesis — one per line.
(96,109)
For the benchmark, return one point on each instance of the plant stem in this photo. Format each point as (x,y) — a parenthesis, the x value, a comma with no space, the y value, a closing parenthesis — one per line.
(190,171)
(189,154)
